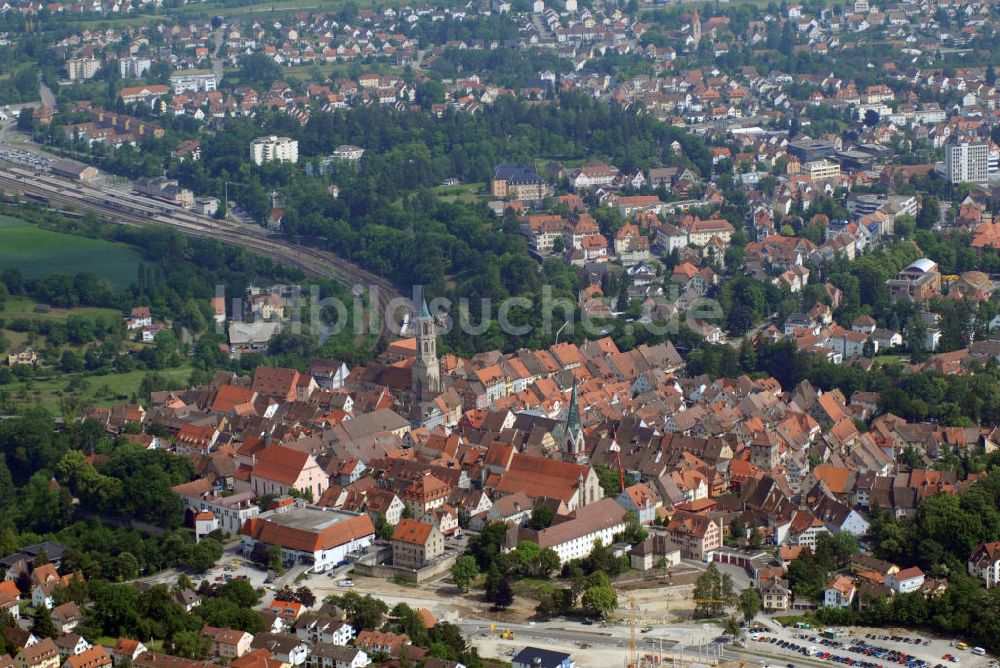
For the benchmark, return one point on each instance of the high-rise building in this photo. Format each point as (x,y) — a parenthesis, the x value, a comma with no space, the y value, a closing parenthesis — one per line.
(967,163)
(274,149)
(134,67)
(82,68)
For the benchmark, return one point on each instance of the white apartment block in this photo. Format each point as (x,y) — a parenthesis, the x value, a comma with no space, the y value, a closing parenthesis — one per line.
(966,163)
(822,169)
(134,67)
(82,68)
(274,149)
(193,81)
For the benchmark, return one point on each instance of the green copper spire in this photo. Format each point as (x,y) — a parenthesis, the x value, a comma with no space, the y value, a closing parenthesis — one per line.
(573,426)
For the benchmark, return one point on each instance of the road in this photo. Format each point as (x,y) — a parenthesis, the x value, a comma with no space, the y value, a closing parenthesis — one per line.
(543,30)
(125,208)
(218,36)
(45,94)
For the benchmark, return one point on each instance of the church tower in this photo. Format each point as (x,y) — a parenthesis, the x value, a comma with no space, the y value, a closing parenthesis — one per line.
(425,374)
(696,27)
(573,430)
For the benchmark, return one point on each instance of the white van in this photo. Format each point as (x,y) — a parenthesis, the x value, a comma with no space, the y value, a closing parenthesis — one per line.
(979,651)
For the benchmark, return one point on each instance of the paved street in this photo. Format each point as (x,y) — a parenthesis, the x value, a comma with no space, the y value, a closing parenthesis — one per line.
(598,645)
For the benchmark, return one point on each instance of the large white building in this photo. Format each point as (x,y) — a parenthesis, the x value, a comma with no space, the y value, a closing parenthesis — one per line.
(82,68)
(193,81)
(966,163)
(274,149)
(573,537)
(319,538)
(134,67)
(822,169)
(230,512)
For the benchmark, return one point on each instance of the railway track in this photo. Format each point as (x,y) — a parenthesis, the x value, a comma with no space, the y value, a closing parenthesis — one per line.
(137,210)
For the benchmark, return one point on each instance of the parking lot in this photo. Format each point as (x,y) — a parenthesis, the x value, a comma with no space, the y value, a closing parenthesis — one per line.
(869,648)
(24,158)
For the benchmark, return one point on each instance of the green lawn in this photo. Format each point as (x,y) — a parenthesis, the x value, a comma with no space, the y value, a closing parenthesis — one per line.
(892,359)
(88,390)
(22,307)
(38,253)
(17,308)
(533,588)
(212,8)
(467,192)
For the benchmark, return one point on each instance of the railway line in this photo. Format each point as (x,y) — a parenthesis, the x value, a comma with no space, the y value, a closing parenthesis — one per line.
(127,208)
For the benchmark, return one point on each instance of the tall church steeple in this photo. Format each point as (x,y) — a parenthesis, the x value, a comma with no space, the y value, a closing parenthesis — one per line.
(696,27)
(573,429)
(425,374)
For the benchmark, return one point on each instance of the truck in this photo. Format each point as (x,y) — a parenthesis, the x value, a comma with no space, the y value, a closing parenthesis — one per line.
(830,634)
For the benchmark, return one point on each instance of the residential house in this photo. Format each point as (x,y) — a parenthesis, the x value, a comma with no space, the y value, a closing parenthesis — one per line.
(775,594)
(641,500)
(839,593)
(323,628)
(19,356)
(285,647)
(66,617)
(42,654)
(696,535)
(323,655)
(984,564)
(227,644)
(906,580)
(278,470)
(415,544)
(127,650)
(10,598)
(71,644)
(95,657)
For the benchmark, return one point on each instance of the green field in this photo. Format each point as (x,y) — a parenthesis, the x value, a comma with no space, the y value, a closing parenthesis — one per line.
(22,307)
(87,390)
(38,253)
(467,192)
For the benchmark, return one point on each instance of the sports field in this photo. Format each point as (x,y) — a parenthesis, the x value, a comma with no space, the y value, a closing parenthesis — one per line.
(37,253)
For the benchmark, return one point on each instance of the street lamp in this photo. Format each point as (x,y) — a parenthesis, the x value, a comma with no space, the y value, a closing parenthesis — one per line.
(558,331)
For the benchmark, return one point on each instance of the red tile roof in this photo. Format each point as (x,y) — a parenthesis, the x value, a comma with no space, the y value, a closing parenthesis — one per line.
(280,464)
(412,531)
(303,540)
